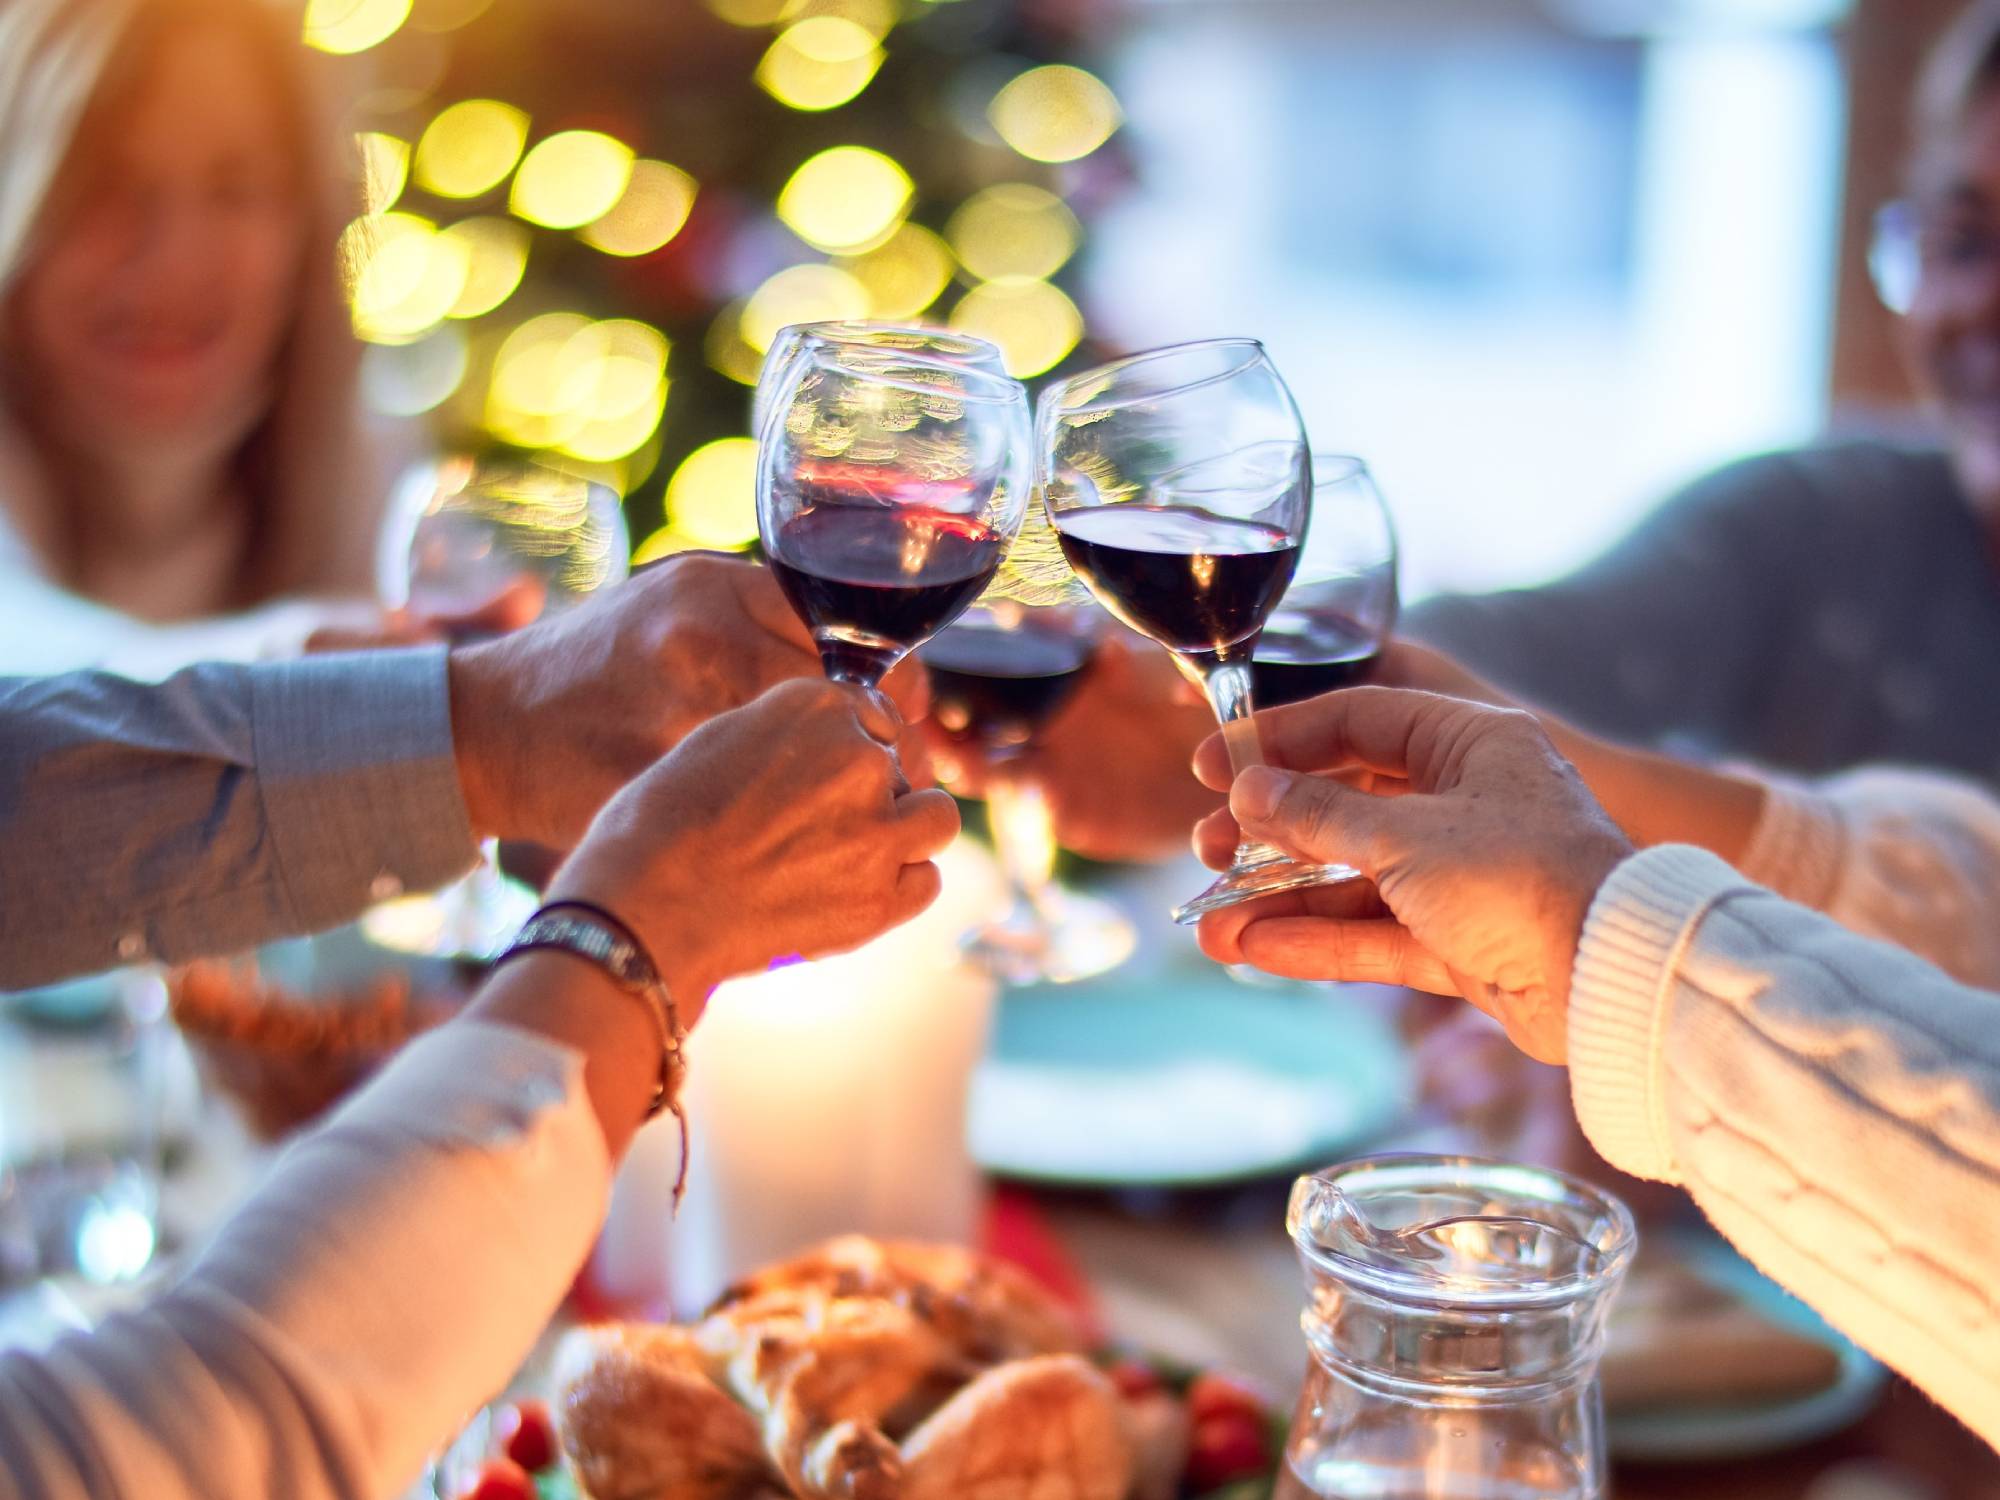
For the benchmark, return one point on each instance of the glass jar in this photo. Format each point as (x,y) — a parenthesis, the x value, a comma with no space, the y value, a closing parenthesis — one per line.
(1455,1317)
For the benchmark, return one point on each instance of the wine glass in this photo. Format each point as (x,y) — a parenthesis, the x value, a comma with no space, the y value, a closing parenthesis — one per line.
(460,538)
(888,490)
(896,340)
(1340,607)
(1179,487)
(998,675)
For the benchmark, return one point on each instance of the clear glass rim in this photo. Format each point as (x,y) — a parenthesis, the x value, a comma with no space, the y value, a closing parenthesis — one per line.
(1338,468)
(1615,1247)
(1254,348)
(905,372)
(836,330)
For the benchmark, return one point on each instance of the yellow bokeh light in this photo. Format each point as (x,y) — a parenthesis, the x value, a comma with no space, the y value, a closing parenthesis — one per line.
(903,276)
(407,276)
(712,498)
(1013,229)
(655,204)
(663,543)
(602,439)
(496,258)
(876,17)
(1033,323)
(748,12)
(385,168)
(819,63)
(1055,113)
(343,26)
(801,294)
(470,148)
(727,351)
(571,178)
(845,198)
(592,390)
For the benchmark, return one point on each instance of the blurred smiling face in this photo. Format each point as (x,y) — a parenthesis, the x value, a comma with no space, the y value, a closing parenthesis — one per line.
(164,278)
(1952,330)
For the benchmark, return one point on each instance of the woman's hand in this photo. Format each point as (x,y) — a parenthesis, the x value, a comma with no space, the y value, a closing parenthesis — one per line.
(1481,846)
(782,829)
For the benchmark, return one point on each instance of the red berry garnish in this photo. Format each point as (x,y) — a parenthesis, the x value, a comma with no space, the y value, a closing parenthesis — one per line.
(502,1479)
(1213,1395)
(1133,1378)
(1227,1447)
(527,1435)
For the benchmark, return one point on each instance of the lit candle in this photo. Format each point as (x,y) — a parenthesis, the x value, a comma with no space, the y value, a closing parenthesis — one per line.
(824,1098)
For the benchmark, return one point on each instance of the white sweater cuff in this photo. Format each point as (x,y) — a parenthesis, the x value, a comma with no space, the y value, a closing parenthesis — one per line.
(1619,996)
(1798,844)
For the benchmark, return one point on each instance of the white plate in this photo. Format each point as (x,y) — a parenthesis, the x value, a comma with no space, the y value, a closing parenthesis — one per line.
(1180,1078)
(1704,1434)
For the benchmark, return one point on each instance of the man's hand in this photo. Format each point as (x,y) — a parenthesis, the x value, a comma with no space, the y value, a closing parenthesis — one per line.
(1481,846)
(782,829)
(550,721)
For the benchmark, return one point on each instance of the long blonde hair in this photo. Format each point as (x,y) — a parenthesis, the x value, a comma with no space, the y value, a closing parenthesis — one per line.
(64,63)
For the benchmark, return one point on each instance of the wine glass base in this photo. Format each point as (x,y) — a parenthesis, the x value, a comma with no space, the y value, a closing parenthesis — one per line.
(1248,882)
(1073,937)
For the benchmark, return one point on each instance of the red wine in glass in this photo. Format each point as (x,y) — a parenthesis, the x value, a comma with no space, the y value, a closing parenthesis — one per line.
(873,580)
(993,689)
(1196,582)
(1302,658)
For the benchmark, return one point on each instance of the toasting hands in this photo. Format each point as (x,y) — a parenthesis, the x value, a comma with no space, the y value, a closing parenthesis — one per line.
(1481,846)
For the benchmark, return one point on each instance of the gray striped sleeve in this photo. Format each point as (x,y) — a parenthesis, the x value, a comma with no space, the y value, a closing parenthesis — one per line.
(224,807)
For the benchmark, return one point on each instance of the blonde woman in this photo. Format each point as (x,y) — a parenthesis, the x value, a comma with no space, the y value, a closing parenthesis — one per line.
(180,457)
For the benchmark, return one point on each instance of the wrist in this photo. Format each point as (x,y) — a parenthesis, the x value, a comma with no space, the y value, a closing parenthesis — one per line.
(666,936)
(478,733)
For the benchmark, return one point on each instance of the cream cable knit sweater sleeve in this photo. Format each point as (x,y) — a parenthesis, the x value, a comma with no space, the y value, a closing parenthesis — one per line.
(1832,1103)
(1912,857)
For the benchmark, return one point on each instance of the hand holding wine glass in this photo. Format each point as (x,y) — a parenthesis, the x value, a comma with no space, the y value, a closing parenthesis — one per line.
(888,490)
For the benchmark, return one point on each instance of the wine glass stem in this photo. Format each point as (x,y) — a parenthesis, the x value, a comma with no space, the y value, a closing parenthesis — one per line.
(1024,836)
(1227,684)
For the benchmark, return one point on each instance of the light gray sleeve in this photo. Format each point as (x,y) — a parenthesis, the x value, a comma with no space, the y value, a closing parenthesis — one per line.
(219,809)
(1668,632)
(391,1273)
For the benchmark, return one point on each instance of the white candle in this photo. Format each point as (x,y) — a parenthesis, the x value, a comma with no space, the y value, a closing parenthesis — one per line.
(823,1098)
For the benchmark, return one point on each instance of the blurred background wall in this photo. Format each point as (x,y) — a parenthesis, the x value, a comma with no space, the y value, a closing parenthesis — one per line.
(1539,260)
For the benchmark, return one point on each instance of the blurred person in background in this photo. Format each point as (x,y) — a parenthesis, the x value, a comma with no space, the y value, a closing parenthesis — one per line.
(1818,609)
(183,471)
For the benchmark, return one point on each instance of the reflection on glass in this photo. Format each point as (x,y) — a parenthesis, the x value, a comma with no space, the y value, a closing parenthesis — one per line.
(998,676)
(472,547)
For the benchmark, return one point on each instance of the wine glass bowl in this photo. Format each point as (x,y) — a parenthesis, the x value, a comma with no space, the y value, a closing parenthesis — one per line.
(888,490)
(462,536)
(1179,484)
(1340,607)
(892,340)
(998,676)
(463,533)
